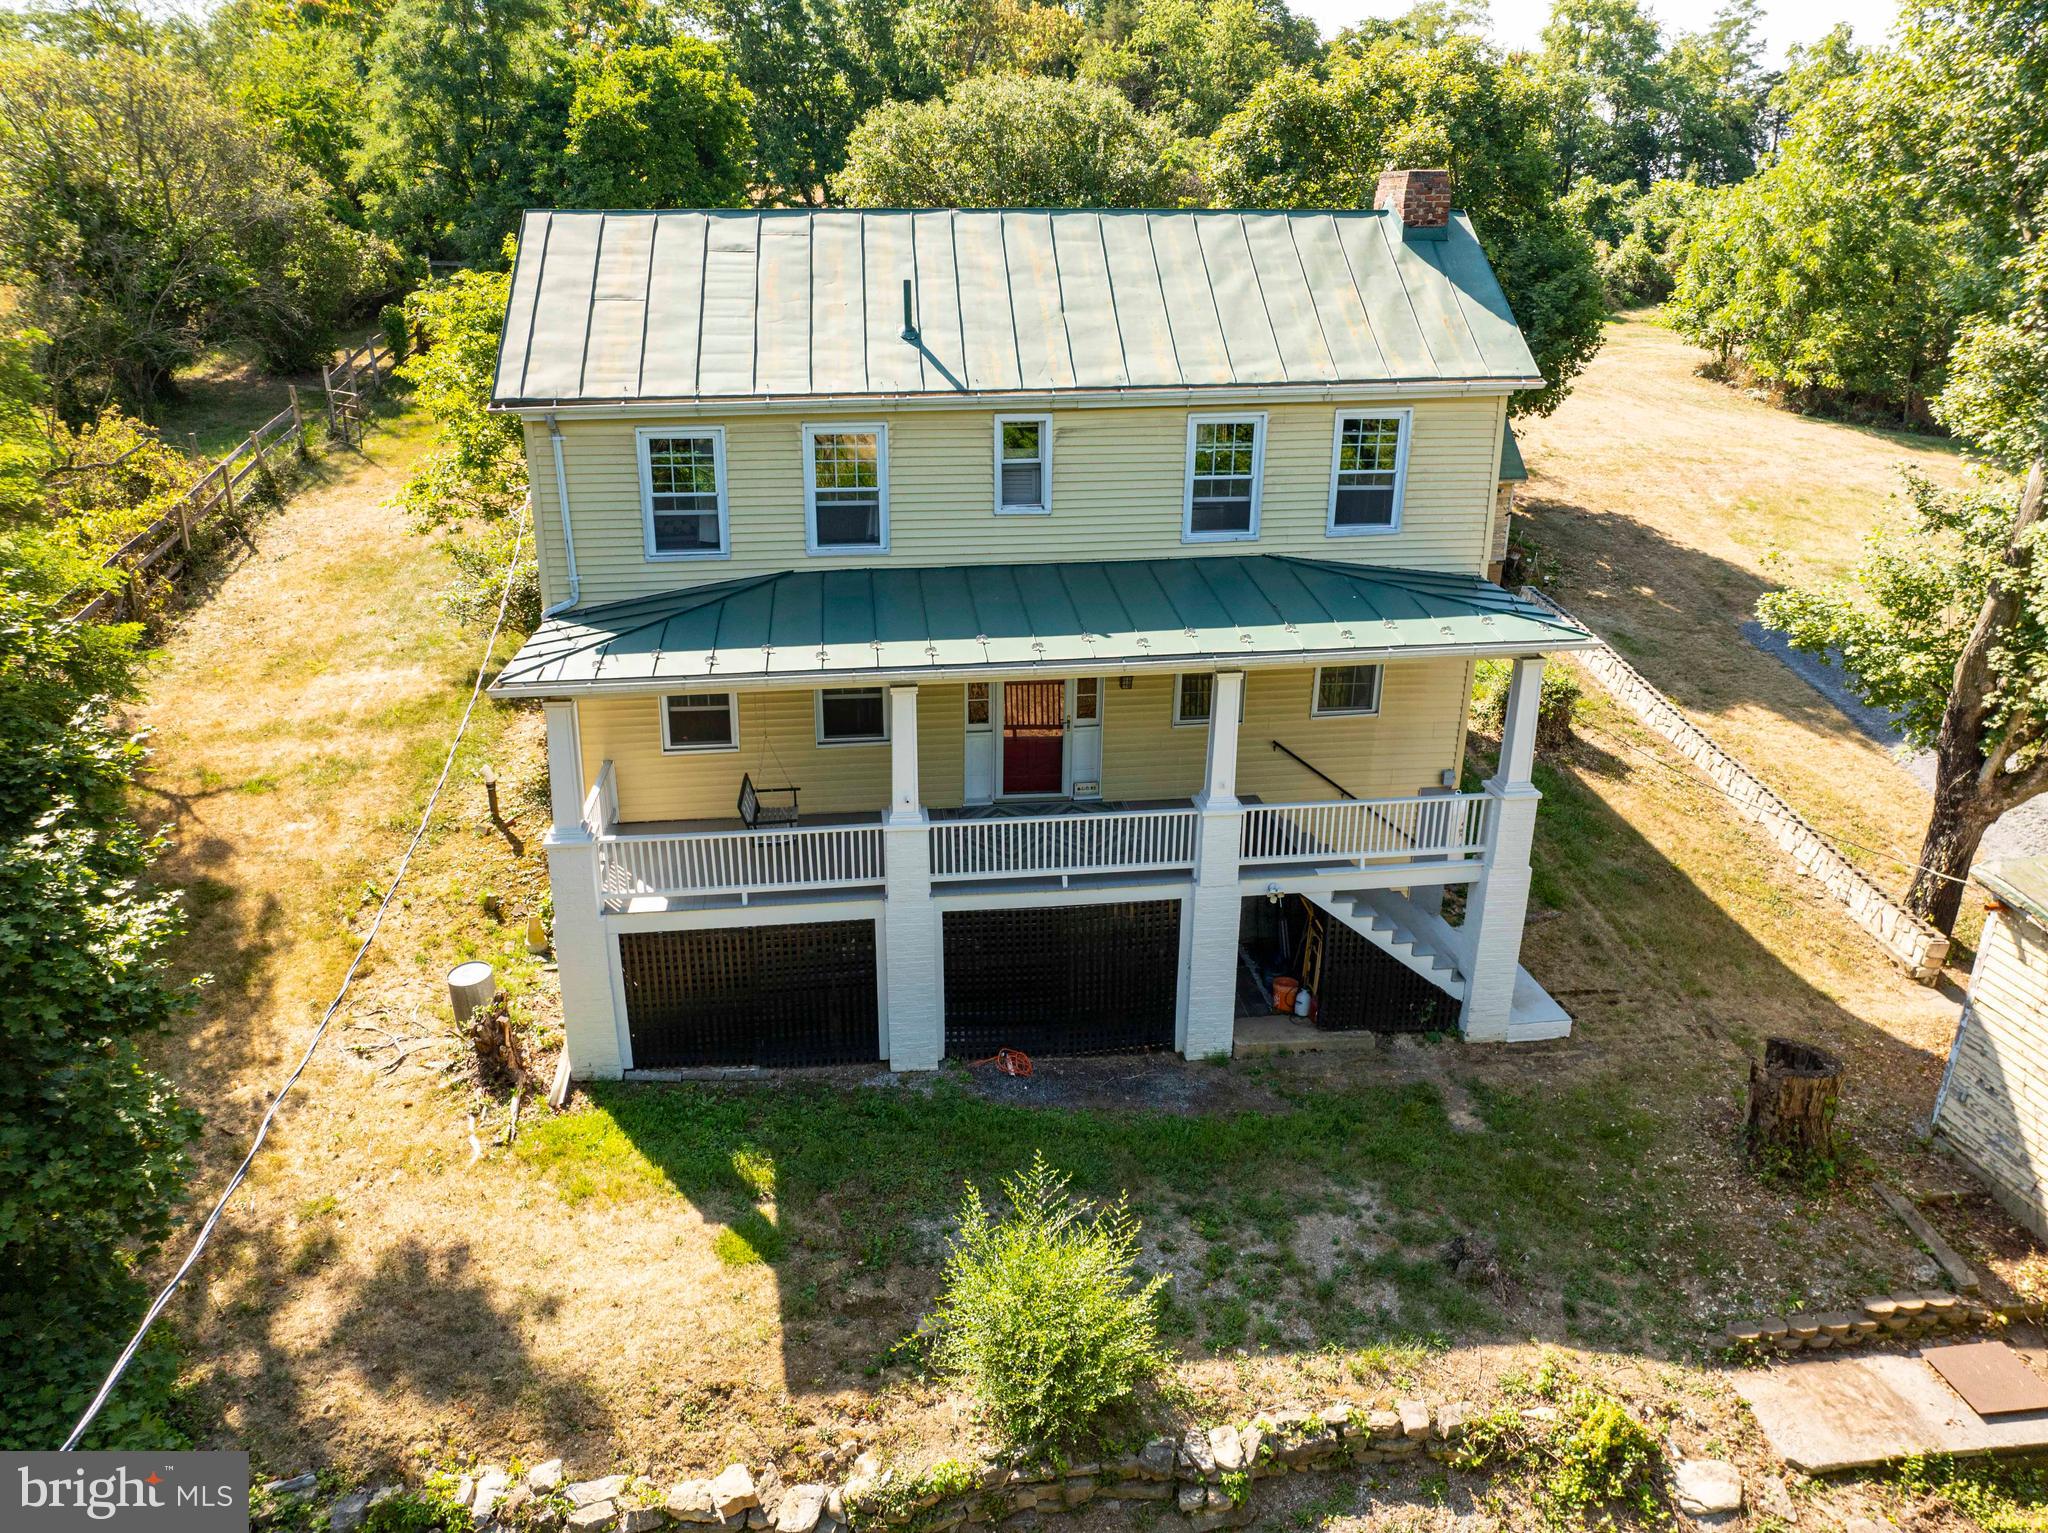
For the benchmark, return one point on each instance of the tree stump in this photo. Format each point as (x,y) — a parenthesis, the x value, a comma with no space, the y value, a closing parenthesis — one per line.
(1793,1092)
(500,1057)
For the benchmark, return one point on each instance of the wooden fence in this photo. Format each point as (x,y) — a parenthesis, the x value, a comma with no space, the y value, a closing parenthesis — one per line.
(162,550)
(351,384)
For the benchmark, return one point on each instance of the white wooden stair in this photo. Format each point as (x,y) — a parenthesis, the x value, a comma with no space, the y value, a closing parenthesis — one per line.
(1403,930)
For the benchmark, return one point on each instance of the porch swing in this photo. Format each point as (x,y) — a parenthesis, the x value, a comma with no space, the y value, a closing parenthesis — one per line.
(754,813)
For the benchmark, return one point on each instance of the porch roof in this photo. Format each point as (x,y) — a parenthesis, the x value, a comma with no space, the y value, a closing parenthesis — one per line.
(804,627)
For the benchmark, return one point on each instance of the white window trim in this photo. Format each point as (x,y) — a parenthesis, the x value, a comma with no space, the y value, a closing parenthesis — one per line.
(1178,721)
(818,720)
(1187,490)
(811,431)
(1044,424)
(640,440)
(732,711)
(1406,417)
(1316,710)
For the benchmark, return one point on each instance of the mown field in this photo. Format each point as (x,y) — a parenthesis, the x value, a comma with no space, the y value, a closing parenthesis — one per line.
(670,1277)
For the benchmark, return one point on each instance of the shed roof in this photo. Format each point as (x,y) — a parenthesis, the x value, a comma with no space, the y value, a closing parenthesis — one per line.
(618,307)
(803,627)
(2020,883)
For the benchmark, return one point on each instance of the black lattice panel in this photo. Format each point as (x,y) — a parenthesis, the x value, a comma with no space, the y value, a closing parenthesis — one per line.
(1366,990)
(752,995)
(1078,979)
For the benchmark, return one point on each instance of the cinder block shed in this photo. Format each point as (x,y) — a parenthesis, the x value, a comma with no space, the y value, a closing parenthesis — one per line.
(1992,1110)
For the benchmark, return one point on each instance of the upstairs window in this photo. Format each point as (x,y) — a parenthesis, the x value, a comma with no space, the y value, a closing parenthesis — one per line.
(1225,456)
(1192,695)
(682,492)
(699,721)
(1023,465)
(846,488)
(1346,689)
(852,716)
(1365,480)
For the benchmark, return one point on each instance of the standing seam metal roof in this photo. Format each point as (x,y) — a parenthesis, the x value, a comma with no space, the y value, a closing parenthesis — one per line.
(618,307)
(802,625)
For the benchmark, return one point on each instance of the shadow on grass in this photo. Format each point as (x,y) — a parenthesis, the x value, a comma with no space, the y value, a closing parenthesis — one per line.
(419,1328)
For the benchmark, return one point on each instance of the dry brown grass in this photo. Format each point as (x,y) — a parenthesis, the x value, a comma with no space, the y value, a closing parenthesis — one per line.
(377,1301)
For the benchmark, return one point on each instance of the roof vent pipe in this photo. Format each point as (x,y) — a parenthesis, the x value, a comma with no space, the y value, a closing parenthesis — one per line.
(568,537)
(909,317)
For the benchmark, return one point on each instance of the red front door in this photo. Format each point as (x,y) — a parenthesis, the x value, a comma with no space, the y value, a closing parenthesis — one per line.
(1034,730)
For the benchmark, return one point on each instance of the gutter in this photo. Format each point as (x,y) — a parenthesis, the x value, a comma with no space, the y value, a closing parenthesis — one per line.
(1065,399)
(1075,665)
(568,533)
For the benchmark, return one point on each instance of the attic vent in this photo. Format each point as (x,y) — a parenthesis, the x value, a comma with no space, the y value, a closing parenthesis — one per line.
(909,315)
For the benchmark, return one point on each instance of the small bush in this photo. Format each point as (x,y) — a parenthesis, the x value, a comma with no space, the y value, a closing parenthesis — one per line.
(1043,1316)
(1555,708)
(1593,1460)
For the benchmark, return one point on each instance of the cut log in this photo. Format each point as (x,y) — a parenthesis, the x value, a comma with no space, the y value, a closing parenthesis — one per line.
(1793,1093)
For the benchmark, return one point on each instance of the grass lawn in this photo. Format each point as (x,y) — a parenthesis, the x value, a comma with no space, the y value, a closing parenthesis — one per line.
(671,1277)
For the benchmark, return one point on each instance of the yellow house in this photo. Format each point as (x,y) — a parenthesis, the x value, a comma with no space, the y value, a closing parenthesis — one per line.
(1021,627)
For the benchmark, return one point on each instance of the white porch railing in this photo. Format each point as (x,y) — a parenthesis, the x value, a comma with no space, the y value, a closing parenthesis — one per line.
(1367,830)
(741,861)
(1116,841)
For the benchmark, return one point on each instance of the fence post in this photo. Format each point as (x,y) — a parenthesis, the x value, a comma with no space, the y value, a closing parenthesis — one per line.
(327,388)
(227,484)
(298,421)
(185,521)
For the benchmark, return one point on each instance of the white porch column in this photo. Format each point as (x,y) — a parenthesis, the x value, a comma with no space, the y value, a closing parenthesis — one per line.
(1213,912)
(1499,899)
(913,1009)
(590,1028)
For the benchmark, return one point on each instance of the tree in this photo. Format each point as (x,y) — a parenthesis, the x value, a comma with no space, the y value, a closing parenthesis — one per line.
(91,1140)
(1840,287)
(465,113)
(1716,94)
(1946,619)
(1599,72)
(1308,142)
(659,128)
(1810,71)
(1194,63)
(1009,140)
(815,67)
(300,81)
(962,38)
(142,222)
(475,481)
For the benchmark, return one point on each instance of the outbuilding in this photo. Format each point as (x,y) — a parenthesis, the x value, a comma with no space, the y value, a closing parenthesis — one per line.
(1993,1106)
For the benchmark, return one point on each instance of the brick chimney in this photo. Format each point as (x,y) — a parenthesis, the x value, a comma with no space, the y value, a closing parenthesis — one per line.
(1420,199)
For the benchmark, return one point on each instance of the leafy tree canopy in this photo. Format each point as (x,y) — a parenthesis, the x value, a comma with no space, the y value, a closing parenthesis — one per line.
(1193,62)
(1010,140)
(659,127)
(1305,142)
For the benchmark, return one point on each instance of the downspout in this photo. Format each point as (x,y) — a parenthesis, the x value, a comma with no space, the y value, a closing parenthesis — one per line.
(568,536)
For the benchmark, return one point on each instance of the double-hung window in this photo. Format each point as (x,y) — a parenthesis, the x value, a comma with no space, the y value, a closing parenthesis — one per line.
(1370,464)
(1226,454)
(1023,465)
(699,721)
(846,488)
(682,491)
(1192,697)
(1346,689)
(853,716)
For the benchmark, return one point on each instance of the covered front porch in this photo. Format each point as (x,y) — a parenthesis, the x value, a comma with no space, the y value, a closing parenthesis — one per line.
(1172,785)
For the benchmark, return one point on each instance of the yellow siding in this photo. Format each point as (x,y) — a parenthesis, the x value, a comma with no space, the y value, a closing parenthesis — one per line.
(778,746)
(1416,735)
(1117,494)
(1996,1110)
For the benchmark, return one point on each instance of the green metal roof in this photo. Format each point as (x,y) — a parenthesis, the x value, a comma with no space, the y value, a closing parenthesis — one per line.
(2021,883)
(804,627)
(1511,465)
(614,308)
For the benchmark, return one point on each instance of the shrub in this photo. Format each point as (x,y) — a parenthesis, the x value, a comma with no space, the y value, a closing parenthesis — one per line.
(1042,1316)
(1592,1460)
(1555,708)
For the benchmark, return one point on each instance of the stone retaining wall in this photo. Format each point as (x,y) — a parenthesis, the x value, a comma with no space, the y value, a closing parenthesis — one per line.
(1910,942)
(1206,1475)
(1895,1317)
